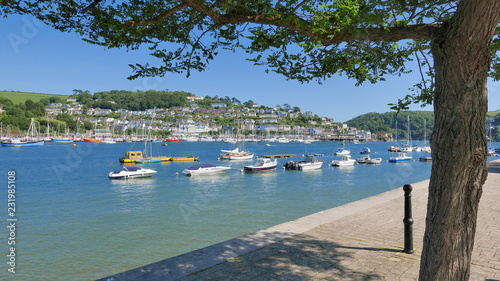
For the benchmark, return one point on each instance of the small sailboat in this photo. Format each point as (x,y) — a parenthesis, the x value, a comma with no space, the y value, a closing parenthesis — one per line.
(236,154)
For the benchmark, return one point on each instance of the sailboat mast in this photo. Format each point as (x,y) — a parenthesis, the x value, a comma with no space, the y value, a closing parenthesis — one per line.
(409,136)
(237,128)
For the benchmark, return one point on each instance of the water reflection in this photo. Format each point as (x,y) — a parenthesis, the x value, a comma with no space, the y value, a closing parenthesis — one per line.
(133,186)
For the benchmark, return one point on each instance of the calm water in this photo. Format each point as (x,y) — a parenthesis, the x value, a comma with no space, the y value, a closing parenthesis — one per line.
(76,224)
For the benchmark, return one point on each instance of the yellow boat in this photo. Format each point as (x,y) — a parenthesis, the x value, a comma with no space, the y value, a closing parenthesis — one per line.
(188,158)
(132,157)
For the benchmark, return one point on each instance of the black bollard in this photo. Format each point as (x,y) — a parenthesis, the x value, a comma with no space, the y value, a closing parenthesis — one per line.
(408,220)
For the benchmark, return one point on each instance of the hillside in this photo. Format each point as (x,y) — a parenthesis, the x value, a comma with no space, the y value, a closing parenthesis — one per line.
(21,97)
(386,122)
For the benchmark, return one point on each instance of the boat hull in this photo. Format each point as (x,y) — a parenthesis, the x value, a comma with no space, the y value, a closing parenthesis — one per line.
(206,171)
(23,144)
(397,160)
(92,141)
(131,172)
(337,163)
(310,166)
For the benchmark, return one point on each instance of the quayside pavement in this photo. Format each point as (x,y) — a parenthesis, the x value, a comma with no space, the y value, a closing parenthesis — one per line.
(362,240)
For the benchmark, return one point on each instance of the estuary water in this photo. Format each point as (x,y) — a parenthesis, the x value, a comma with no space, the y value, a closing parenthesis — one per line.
(73,223)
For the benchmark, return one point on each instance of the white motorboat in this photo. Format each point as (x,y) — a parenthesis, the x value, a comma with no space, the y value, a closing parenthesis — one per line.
(311,163)
(363,160)
(402,157)
(283,140)
(365,150)
(342,151)
(205,169)
(262,165)
(108,141)
(345,161)
(131,172)
(374,161)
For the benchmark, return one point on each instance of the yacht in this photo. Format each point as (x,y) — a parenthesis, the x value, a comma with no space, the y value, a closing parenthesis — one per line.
(205,169)
(131,172)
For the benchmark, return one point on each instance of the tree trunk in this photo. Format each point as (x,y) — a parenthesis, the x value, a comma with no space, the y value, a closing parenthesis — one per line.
(459,147)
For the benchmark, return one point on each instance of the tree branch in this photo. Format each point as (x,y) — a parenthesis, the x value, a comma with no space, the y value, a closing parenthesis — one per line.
(158,19)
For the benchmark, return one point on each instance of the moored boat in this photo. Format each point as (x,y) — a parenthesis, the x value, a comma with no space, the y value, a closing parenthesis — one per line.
(311,163)
(426,158)
(205,169)
(132,157)
(345,161)
(22,143)
(93,140)
(262,165)
(342,151)
(183,158)
(363,160)
(365,150)
(374,161)
(394,149)
(402,157)
(131,172)
(61,140)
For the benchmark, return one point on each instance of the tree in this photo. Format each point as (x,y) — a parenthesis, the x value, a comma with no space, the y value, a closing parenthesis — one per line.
(313,40)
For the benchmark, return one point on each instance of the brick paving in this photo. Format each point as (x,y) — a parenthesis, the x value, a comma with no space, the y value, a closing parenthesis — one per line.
(355,243)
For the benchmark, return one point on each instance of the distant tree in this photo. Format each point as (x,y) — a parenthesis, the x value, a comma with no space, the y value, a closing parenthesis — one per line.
(296,109)
(236,101)
(248,103)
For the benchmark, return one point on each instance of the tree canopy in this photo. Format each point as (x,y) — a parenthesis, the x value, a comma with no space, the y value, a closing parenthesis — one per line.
(303,40)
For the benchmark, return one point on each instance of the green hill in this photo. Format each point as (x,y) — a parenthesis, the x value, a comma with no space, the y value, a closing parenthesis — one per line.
(21,97)
(386,122)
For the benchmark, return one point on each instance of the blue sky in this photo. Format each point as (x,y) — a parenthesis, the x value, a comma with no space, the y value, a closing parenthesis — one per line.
(36,58)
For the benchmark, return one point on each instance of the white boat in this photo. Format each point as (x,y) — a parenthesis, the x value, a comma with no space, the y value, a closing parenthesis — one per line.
(345,161)
(131,172)
(241,156)
(342,151)
(363,160)
(402,157)
(205,169)
(229,140)
(236,154)
(406,149)
(262,165)
(374,161)
(108,141)
(311,163)
(283,140)
(365,150)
